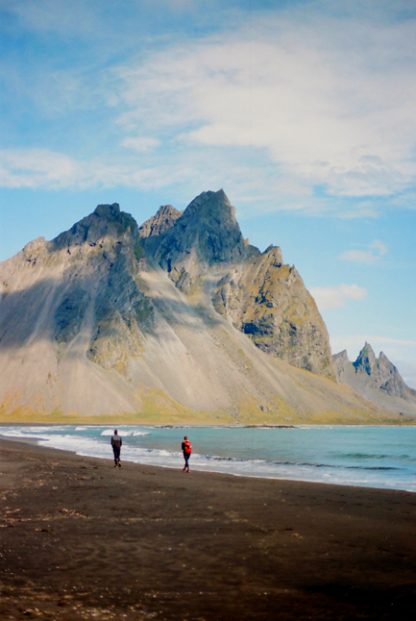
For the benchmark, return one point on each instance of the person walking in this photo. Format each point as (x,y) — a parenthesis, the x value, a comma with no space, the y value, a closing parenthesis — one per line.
(116,443)
(186,447)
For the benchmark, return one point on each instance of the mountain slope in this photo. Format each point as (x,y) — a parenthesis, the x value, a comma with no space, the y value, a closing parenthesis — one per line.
(268,301)
(107,320)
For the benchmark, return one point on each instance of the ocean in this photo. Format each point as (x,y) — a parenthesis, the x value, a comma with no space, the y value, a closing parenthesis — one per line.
(365,456)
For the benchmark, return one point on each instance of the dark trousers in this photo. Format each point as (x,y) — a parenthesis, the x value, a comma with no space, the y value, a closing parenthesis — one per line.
(186,457)
(116,451)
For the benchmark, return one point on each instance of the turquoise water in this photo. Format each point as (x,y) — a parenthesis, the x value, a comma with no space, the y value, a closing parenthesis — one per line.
(380,457)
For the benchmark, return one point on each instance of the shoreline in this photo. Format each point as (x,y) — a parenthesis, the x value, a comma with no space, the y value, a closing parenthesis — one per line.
(233,466)
(83,540)
(36,442)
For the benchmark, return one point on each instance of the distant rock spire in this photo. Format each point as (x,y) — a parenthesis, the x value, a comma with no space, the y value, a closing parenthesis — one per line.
(366,360)
(383,373)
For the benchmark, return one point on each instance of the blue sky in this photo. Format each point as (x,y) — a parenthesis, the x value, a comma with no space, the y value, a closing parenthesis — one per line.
(302,111)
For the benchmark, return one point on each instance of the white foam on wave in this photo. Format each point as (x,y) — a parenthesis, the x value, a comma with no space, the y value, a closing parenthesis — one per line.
(124,432)
(28,432)
(12,432)
(108,432)
(89,447)
(25,430)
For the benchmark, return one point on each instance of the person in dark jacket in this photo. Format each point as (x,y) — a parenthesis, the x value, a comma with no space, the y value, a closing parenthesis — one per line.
(186,447)
(116,443)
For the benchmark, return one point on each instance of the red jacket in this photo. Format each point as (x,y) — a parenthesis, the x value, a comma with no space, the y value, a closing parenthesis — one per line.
(187,447)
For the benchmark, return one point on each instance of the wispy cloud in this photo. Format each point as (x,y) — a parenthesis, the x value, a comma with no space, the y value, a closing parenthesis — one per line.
(323,99)
(337,296)
(140,143)
(41,168)
(372,254)
(311,107)
(32,168)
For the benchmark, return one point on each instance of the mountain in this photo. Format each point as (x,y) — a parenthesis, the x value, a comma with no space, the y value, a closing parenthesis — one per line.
(376,379)
(178,320)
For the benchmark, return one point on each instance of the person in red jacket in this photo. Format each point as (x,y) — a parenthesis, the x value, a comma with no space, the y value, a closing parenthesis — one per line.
(186,450)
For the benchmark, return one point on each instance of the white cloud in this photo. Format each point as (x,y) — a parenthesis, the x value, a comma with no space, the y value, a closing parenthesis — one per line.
(338,296)
(40,168)
(330,101)
(33,168)
(375,251)
(140,143)
(359,256)
(311,104)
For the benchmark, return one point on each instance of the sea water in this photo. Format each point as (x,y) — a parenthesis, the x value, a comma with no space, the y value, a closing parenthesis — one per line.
(369,456)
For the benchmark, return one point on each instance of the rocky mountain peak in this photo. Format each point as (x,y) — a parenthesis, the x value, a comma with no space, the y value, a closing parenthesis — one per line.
(341,357)
(105,221)
(383,358)
(381,372)
(341,364)
(108,211)
(162,221)
(274,253)
(389,377)
(35,246)
(211,201)
(207,230)
(366,361)
(214,208)
(376,379)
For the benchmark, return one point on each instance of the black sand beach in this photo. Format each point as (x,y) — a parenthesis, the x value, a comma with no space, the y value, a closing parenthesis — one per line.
(82,540)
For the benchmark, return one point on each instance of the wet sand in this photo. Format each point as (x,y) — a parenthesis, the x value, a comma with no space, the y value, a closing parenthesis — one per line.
(82,540)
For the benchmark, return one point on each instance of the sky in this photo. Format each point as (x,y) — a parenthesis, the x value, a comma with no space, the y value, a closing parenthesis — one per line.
(302,111)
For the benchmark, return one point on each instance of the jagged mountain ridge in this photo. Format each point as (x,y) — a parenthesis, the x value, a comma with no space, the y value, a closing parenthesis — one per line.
(376,379)
(382,372)
(111,319)
(264,298)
